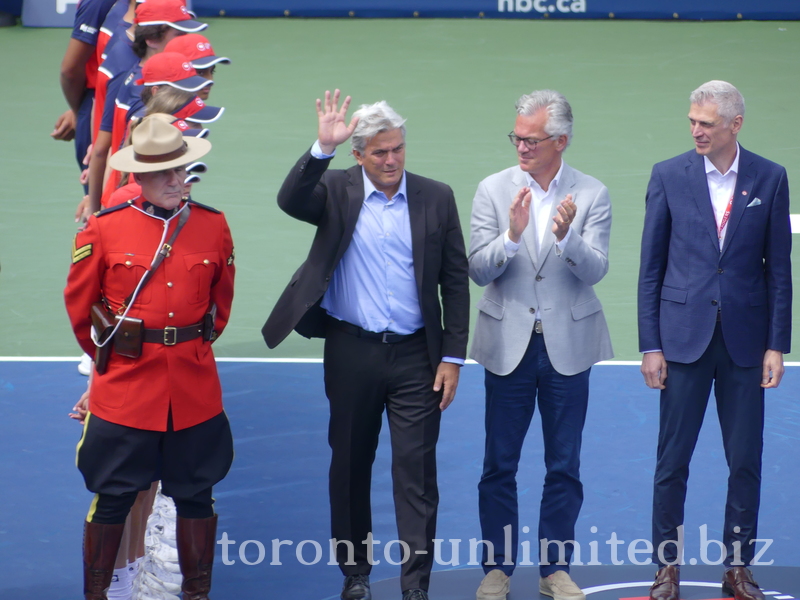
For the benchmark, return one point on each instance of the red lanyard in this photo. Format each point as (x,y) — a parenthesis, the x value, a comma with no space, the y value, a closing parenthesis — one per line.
(725,218)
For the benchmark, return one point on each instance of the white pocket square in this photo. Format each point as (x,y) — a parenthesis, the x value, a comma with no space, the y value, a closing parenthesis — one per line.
(755,202)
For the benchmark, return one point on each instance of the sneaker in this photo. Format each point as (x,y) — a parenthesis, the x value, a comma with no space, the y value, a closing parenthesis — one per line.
(495,586)
(559,586)
(85,365)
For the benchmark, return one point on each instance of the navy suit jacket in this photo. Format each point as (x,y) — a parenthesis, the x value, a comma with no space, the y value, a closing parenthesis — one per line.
(684,278)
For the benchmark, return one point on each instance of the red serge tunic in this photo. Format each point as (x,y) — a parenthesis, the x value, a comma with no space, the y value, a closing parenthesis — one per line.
(109,258)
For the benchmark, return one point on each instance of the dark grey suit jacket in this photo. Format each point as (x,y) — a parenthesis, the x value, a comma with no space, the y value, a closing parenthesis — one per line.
(332,200)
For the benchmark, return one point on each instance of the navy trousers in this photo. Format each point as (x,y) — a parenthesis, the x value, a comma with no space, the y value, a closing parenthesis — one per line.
(510,402)
(740,408)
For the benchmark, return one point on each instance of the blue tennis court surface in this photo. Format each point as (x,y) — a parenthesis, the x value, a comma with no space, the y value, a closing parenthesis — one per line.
(273,505)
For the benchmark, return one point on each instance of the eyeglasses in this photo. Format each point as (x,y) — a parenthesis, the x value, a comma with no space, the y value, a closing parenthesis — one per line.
(530,143)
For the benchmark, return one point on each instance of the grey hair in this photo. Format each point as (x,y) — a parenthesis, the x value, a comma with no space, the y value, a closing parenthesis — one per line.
(372,120)
(729,101)
(559,112)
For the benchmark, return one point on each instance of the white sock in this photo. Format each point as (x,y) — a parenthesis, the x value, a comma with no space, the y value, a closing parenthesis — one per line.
(133,567)
(120,588)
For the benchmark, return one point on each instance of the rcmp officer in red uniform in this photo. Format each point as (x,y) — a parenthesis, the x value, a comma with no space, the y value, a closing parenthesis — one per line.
(155,409)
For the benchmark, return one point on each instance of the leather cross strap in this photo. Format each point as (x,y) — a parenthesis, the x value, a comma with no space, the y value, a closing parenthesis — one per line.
(162,254)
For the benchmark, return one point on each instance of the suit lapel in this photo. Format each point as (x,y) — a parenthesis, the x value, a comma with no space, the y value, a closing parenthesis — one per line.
(742,195)
(355,200)
(417,216)
(698,182)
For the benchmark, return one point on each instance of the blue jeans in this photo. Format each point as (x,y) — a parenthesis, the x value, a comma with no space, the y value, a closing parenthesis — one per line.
(510,402)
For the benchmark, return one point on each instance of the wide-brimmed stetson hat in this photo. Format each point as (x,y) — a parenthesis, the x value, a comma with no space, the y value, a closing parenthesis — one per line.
(157,145)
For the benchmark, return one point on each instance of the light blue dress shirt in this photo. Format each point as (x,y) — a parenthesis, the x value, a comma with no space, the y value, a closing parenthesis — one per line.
(374,285)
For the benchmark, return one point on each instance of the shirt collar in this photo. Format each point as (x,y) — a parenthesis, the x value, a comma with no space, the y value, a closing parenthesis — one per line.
(710,168)
(370,189)
(553,184)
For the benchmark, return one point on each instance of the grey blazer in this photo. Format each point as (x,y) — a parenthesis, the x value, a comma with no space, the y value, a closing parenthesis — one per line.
(574,327)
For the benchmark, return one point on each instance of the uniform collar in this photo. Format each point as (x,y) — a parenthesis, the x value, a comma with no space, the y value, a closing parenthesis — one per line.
(156,211)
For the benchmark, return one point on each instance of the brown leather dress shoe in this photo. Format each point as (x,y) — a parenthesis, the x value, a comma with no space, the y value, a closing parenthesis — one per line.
(666,585)
(739,583)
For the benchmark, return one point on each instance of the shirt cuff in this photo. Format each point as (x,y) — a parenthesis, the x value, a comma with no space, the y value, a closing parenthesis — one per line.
(511,247)
(651,351)
(563,243)
(455,361)
(316,152)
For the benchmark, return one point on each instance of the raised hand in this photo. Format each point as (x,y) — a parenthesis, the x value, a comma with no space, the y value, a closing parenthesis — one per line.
(519,214)
(332,129)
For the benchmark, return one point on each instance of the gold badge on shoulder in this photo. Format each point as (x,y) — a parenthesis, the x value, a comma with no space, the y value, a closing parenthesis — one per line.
(78,254)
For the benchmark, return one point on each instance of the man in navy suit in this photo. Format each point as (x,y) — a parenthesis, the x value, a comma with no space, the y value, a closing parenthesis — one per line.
(715,298)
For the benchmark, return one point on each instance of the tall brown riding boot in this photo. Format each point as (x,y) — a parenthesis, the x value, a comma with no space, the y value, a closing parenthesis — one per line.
(196,541)
(100,546)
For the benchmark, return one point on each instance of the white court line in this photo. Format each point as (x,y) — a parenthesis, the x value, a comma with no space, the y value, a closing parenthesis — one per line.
(795,221)
(633,584)
(605,363)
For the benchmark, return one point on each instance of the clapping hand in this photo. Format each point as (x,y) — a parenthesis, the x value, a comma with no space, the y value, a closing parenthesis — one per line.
(332,128)
(564,216)
(519,214)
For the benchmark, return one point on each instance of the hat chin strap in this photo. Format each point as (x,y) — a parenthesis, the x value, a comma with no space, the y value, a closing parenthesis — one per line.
(159,158)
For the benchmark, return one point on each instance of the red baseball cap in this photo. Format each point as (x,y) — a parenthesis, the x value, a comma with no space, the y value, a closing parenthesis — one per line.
(167,12)
(197,49)
(173,69)
(197,111)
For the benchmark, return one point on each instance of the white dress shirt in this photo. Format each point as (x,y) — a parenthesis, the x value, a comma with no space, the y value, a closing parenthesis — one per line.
(720,188)
(541,206)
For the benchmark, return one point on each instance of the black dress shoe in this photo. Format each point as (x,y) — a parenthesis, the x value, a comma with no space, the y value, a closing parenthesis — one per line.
(356,587)
(415,595)
(739,583)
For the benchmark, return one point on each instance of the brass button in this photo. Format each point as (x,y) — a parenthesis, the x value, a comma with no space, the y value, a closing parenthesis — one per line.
(169,284)
(205,262)
(128,263)
(170,315)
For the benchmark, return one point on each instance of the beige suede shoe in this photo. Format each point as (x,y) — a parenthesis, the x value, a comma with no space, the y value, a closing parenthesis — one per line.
(560,586)
(494,586)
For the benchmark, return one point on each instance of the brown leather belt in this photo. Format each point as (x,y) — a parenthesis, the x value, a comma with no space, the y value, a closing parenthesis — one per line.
(169,336)
(387,337)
